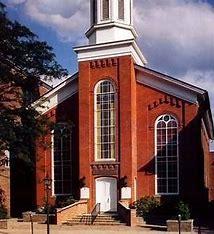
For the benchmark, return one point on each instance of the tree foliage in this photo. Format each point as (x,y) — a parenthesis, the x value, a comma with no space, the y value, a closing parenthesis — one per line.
(24,60)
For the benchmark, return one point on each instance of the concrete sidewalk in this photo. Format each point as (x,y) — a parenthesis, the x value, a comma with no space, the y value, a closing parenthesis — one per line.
(25,228)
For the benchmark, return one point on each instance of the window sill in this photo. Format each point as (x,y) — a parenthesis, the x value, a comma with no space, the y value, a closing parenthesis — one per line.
(105,162)
(166,194)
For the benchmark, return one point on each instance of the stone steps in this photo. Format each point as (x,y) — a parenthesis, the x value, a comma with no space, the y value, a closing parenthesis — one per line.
(101,219)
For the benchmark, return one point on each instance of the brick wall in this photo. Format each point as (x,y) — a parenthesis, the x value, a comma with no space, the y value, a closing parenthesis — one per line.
(138,108)
(67,111)
(121,72)
(5,186)
(152,103)
(211,176)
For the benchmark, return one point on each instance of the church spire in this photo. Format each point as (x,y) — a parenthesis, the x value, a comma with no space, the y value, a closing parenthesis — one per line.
(111,20)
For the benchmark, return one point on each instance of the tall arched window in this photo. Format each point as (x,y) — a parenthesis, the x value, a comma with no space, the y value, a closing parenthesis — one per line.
(121,9)
(105,9)
(105,120)
(62,159)
(167,161)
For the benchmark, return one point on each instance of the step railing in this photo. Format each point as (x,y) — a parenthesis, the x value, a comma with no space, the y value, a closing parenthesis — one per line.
(95,212)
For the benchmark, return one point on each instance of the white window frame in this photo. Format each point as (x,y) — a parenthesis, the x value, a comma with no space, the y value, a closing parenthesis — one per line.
(53,162)
(95,121)
(156,151)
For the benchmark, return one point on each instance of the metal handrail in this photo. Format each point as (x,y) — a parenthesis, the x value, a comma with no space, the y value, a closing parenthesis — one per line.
(95,212)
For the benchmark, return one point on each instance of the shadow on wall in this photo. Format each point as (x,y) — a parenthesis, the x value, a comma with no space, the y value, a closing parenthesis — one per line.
(65,113)
(192,155)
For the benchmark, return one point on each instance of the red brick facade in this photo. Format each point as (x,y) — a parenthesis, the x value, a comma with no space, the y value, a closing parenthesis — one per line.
(211,177)
(64,112)
(138,107)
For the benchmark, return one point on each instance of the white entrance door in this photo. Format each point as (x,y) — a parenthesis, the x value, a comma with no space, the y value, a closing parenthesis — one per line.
(106,194)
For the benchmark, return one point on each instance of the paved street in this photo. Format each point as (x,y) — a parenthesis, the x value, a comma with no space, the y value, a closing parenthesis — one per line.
(24,228)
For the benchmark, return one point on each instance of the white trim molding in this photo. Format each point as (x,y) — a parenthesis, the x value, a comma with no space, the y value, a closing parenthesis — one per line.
(168,85)
(105,94)
(57,95)
(110,50)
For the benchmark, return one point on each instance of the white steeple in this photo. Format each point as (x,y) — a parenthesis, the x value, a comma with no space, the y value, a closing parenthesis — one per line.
(111,20)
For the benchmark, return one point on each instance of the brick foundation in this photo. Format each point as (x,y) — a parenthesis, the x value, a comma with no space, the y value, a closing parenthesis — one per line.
(69,212)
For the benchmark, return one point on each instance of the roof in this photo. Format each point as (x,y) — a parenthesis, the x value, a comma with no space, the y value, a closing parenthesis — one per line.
(56,95)
(171,79)
(46,85)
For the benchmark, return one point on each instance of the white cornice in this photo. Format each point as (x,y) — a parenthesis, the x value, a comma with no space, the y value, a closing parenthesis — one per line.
(168,85)
(170,79)
(109,50)
(110,25)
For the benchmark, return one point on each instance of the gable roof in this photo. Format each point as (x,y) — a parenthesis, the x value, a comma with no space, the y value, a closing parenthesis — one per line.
(179,89)
(46,85)
(57,95)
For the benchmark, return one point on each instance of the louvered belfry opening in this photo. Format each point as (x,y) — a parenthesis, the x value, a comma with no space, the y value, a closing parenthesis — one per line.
(94,11)
(105,9)
(121,12)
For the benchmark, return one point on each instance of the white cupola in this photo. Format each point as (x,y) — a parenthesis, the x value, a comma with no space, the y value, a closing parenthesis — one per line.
(111,33)
(111,20)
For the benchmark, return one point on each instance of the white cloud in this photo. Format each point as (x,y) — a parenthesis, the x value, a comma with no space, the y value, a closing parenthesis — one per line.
(69,19)
(202,79)
(177,36)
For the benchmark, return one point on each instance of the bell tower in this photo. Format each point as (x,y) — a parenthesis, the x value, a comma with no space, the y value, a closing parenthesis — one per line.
(107,97)
(110,20)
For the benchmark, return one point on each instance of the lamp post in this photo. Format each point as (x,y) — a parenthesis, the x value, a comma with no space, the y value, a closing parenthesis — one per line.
(179,224)
(48,183)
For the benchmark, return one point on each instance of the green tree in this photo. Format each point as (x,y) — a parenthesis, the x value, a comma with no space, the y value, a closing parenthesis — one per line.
(24,60)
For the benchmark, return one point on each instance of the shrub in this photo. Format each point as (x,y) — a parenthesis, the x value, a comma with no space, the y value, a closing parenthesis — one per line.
(44,209)
(183,210)
(3,212)
(168,208)
(64,201)
(147,206)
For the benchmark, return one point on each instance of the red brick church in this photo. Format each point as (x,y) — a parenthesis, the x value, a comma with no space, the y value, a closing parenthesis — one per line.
(123,131)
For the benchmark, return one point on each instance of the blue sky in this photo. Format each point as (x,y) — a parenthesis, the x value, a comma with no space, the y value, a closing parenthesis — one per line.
(168,31)
(176,36)
(63,49)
